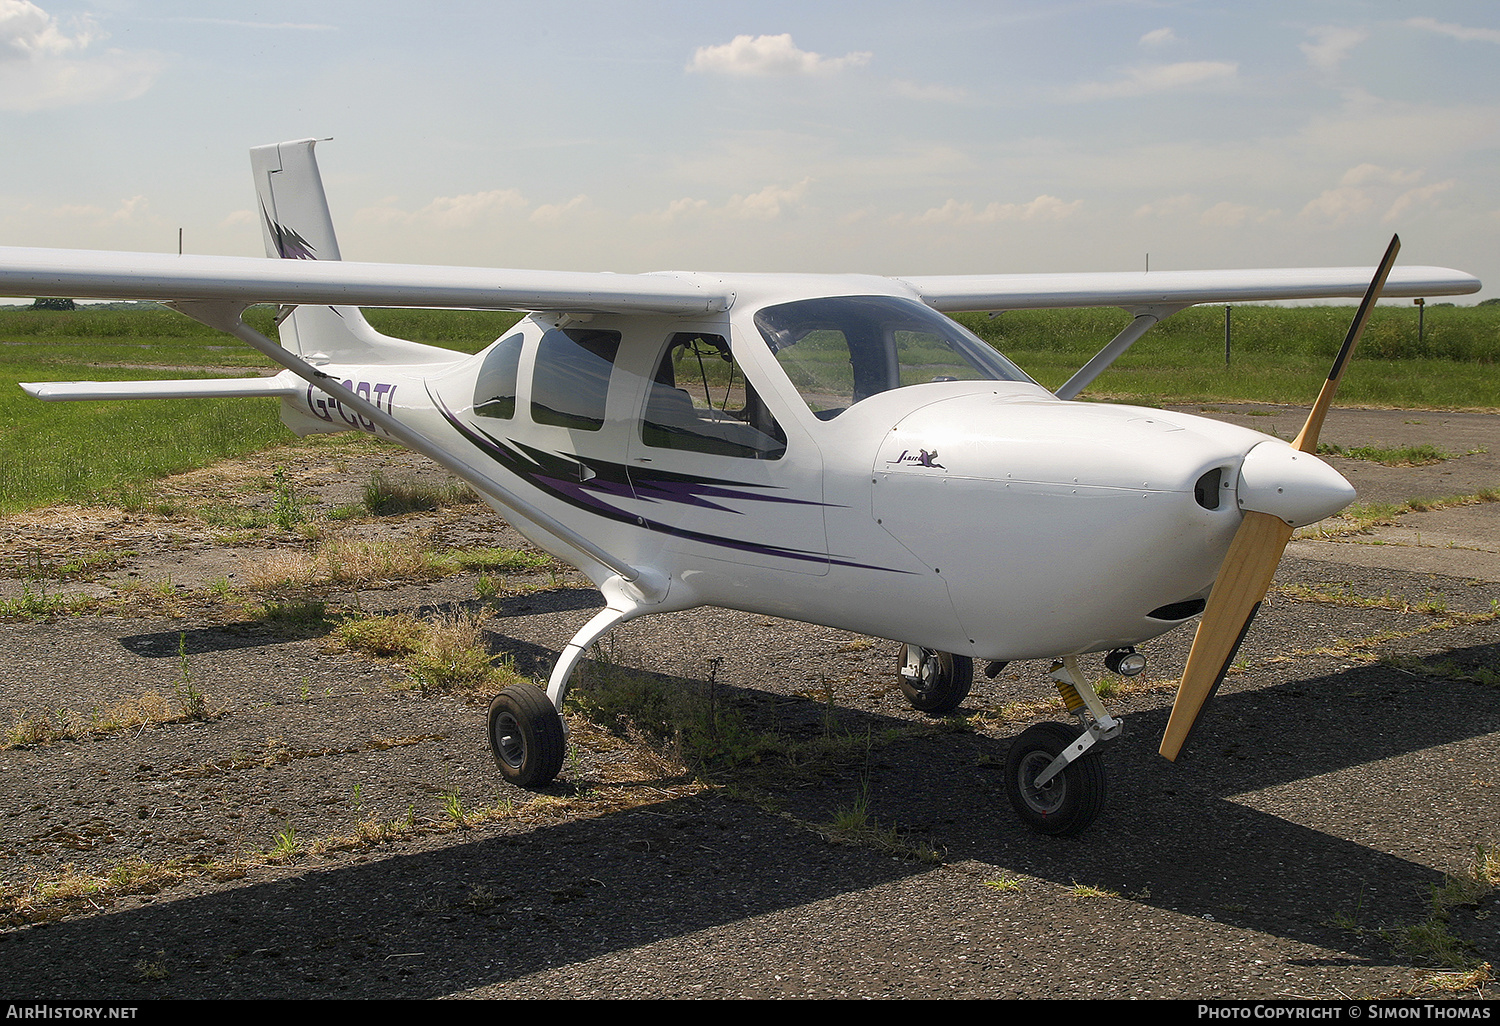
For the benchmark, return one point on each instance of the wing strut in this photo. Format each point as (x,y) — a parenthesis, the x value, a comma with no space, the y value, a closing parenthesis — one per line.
(225,316)
(1146,318)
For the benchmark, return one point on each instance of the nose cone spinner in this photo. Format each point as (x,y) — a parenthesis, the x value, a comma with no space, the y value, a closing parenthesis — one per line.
(1292,486)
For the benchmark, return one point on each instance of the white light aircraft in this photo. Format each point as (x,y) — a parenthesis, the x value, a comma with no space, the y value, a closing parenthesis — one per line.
(828,448)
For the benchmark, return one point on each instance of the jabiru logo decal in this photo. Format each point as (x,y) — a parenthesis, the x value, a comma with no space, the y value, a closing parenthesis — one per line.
(921,458)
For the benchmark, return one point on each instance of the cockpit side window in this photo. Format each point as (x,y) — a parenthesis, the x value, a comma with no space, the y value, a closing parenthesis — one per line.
(843,349)
(570,380)
(495,388)
(699,401)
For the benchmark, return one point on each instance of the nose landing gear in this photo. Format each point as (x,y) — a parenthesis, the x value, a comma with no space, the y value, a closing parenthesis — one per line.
(1054,778)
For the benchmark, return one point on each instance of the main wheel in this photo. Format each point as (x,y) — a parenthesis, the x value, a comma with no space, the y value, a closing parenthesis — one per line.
(526,735)
(942,683)
(1070,801)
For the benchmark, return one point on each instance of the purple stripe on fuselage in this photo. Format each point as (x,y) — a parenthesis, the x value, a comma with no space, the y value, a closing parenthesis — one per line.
(678,489)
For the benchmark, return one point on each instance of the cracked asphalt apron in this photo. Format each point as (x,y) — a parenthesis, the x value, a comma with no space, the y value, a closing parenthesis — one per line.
(1338,776)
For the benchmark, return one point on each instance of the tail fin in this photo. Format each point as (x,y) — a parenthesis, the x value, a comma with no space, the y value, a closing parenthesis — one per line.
(296,225)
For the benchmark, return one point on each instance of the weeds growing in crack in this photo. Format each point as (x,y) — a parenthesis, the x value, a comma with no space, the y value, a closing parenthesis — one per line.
(60,724)
(194,706)
(38,605)
(856,824)
(1445,669)
(285,511)
(1432,940)
(286,846)
(385,497)
(1083,891)
(153,970)
(453,807)
(446,652)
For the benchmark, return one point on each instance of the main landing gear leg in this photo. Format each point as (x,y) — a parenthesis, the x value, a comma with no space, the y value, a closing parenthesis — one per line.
(935,683)
(1054,778)
(527,735)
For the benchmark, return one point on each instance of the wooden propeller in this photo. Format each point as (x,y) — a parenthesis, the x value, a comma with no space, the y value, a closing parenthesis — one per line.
(1245,576)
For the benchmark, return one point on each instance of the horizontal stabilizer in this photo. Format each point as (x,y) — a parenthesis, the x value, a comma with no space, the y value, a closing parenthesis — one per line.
(196,388)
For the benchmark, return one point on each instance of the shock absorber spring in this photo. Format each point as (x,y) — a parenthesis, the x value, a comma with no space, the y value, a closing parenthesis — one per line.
(1070,696)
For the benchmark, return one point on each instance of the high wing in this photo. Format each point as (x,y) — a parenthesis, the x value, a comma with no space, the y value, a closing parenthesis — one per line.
(93,274)
(1132,290)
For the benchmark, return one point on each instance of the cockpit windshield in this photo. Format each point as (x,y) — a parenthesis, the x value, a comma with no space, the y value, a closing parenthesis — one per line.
(842,349)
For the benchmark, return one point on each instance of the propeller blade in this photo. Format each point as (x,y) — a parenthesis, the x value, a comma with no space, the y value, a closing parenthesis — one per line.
(1243,582)
(1253,556)
(1307,440)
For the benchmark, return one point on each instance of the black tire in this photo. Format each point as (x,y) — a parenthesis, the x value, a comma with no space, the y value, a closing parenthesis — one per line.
(526,736)
(1070,801)
(944,684)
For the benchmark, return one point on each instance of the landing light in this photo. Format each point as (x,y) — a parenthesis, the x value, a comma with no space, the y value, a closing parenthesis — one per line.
(1127,662)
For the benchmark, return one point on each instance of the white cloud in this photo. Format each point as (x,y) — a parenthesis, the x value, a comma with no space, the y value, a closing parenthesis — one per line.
(919,91)
(764,205)
(28,32)
(1459,32)
(1331,44)
(470,208)
(129,211)
(1156,78)
(770,56)
(1226,215)
(954,212)
(1172,206)
(1339,205)
(1422,196)
(1188,207)
(685,207)
(1366,187)
(1374,174)
(447,212)
(551,213)
(1159,37)
(42,65)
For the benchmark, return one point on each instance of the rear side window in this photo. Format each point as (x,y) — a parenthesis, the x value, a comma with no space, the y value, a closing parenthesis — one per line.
(495,388)
(571,380)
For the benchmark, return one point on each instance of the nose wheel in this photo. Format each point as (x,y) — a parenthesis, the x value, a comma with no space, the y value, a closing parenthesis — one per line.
(1068,801)
(935,683)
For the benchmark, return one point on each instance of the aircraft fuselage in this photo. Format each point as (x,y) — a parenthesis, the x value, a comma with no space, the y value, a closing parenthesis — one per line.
(878,482)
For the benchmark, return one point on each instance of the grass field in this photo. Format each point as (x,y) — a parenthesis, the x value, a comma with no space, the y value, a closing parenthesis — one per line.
(95,451)
(1276,354)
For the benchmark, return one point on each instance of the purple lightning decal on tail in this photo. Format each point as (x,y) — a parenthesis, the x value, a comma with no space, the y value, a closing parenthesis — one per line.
(289,245)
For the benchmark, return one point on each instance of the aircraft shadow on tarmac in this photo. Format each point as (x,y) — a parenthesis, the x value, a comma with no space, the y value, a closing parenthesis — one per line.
(1175,838)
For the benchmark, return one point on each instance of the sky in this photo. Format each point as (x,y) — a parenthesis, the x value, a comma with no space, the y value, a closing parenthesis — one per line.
(892,138)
